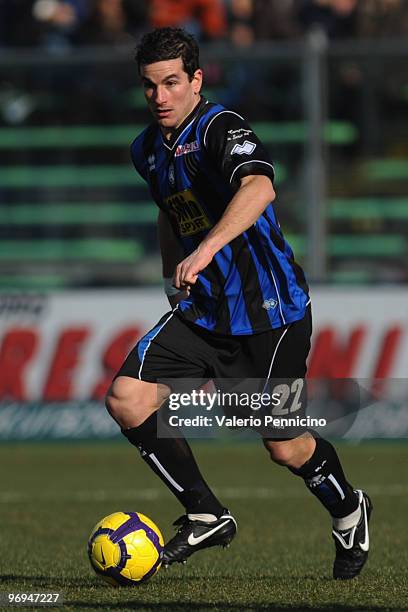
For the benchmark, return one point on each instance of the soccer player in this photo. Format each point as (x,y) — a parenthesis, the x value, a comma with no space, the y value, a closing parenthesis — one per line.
(240,303)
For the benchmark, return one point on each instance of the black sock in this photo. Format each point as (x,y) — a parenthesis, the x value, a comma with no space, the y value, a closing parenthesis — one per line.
(172,460)
(324,477)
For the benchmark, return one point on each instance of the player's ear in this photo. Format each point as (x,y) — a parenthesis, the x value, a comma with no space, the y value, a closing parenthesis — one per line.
(197,81)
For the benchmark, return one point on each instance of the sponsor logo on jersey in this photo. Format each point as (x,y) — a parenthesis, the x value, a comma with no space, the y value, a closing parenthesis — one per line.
(269,304)
(236,134)
(244,149)
(187,148)
(151,160)
(188,213)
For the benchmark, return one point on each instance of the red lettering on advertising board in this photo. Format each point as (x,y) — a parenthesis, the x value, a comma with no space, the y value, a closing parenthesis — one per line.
(113,357)
(388,352)
(334,358)
(17,350)
(386,360)
(64,363)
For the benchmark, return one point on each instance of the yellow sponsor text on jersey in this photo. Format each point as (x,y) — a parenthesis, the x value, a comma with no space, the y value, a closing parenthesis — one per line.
(188,212)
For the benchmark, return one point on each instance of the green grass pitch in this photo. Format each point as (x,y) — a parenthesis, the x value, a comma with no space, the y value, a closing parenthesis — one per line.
(52,495)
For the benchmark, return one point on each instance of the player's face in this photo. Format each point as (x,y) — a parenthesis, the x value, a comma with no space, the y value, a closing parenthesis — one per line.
(169,92)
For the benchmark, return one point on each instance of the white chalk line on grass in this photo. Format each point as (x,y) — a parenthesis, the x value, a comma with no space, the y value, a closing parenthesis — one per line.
(152,494)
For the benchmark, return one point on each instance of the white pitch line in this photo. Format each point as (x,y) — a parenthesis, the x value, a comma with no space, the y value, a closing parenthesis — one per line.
(152,494)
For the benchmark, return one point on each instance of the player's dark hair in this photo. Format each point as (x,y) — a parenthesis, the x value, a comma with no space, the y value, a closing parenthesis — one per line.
(166,44)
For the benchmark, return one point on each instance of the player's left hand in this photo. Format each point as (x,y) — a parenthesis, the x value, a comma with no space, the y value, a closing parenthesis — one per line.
(187,271)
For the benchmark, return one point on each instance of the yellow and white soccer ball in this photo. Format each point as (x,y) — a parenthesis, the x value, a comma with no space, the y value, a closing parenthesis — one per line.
(125,548)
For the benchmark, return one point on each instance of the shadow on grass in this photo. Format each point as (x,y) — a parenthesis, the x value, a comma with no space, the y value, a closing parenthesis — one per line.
(48,583)
(138,604)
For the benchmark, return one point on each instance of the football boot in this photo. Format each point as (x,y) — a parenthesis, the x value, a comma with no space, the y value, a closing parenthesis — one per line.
(352,544)
(193,535)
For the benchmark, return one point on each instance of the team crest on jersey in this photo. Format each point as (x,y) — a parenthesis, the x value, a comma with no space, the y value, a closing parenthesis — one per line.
(188,213)
(189,147)
(172,179)
(244,149)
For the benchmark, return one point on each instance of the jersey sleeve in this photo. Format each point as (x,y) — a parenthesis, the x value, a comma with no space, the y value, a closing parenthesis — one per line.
(235,149)
(138,157)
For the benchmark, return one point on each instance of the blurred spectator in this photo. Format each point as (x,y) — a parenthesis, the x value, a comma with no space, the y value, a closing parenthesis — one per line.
(59,21)
(255,20)
(47,23)
(17,25)
(383,18)
(113,22)
(337,18)
(204,18)
(4,20)
(275,19)
(241,22)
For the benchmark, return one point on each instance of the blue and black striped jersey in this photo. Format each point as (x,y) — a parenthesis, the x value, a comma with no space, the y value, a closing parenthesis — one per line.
(253,284)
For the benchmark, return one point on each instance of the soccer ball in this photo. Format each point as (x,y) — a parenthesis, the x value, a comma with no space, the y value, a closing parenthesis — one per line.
(125,548)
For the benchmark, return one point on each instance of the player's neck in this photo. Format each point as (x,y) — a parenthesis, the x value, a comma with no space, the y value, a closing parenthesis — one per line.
(168,133)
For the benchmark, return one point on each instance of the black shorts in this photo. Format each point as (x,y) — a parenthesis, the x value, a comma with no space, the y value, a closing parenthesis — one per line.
(175,349)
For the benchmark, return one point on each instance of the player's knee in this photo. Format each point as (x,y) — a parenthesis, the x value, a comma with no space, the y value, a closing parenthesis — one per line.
(279,451)
(291,453)
(130,401)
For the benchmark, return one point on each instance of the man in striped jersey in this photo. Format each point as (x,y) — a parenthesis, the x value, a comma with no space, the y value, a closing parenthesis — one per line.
(240,303)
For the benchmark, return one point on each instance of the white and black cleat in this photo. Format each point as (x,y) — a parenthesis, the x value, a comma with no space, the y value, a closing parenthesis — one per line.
(194,535)
(352,545)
